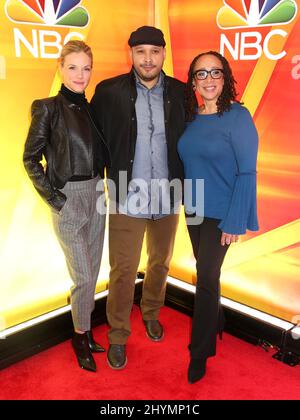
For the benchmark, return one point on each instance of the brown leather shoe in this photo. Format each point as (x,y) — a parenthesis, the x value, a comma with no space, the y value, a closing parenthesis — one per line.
(116,356)
(154,330)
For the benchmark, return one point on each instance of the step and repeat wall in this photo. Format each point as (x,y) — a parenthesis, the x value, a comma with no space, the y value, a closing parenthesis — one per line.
(261,39)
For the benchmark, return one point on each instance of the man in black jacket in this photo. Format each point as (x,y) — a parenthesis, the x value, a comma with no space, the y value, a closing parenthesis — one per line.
(141,114)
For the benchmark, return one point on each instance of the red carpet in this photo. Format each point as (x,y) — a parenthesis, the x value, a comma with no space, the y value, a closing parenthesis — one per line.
(154,370)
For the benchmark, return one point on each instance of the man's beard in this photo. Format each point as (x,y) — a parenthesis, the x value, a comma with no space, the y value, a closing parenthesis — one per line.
(145,77)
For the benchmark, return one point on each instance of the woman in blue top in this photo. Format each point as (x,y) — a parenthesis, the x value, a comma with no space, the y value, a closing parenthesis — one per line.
(219,146)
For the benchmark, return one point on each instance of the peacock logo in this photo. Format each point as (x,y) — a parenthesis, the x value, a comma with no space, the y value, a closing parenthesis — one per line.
(47,12)
(255,13)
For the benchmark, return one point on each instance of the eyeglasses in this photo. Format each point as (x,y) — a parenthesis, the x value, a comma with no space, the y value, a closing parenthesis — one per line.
(202,74)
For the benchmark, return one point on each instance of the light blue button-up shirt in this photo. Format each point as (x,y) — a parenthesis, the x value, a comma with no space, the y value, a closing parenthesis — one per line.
(149,195)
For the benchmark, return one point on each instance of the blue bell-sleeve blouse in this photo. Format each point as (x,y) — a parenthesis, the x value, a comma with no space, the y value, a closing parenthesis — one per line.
(222,150)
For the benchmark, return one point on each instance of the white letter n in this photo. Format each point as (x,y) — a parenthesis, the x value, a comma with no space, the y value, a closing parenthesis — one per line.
(19,37)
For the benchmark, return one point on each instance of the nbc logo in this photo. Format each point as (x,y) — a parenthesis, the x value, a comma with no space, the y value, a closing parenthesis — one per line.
(47,12)
(257,14)
(242,13)
(56,13)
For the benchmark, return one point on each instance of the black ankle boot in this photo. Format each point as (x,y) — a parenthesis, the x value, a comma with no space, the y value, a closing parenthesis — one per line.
(196,371)
(83,353)
(94,347)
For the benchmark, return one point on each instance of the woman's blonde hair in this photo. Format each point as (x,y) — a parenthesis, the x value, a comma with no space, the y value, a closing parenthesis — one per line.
(75,46)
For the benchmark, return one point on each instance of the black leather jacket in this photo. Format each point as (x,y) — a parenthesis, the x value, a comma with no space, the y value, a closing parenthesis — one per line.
(66,136)
(113,107)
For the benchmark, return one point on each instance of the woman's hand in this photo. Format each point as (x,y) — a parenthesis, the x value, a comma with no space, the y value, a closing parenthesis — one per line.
(227,238)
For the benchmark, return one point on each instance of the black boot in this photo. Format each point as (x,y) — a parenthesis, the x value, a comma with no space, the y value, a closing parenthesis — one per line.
(94,347)
(197,369)
(83,353)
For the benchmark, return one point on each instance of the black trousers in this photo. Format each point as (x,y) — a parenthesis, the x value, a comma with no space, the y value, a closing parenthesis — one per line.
(208,318)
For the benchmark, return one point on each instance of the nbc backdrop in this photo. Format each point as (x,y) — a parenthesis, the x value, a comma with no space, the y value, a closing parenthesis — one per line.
(261,41)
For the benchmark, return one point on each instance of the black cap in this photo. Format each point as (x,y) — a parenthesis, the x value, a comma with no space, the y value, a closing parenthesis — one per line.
(147,35)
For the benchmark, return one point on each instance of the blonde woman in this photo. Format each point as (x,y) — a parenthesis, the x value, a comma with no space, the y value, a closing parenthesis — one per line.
(63,133)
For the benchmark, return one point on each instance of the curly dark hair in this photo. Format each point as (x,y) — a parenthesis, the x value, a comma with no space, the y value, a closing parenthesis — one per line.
(228,94)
